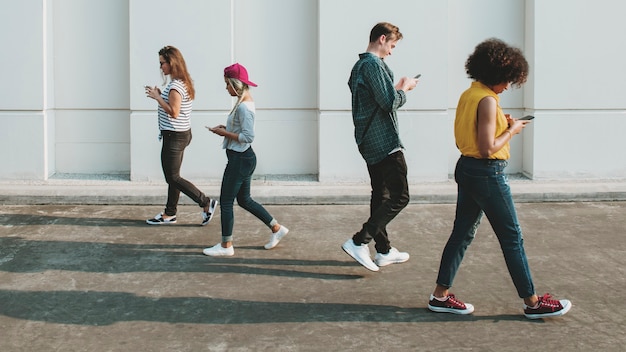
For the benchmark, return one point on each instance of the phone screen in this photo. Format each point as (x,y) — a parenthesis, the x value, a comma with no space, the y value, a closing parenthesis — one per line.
(527,117)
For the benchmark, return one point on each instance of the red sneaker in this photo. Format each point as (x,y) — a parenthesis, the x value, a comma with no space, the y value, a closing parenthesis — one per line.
(547,307)
(450,305)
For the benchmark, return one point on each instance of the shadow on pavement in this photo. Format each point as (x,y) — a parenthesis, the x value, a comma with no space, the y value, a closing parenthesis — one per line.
(22,256)
(105,308)
(41,220)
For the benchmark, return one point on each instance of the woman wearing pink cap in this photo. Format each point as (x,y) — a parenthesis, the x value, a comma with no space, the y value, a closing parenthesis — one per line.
(238,135)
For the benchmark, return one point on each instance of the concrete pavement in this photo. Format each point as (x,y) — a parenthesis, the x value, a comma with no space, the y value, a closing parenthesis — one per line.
(89,277)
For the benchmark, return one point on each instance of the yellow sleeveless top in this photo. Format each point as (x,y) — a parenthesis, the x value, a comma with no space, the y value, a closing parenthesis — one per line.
(465,124)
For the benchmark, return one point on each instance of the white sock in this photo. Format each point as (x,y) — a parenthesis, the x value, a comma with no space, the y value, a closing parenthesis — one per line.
(441,299)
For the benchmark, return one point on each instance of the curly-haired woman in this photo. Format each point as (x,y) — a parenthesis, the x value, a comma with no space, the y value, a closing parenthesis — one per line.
(482,133)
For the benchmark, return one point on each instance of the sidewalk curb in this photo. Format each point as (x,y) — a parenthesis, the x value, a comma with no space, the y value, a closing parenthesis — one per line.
(302,193)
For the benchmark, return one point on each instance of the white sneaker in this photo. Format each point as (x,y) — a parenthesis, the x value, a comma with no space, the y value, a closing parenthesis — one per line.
(360,253)
(393,257)
(276,237)
(219,251)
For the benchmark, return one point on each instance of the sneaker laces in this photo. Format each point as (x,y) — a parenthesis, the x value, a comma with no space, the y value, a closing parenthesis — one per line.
(455,302)
(547,302)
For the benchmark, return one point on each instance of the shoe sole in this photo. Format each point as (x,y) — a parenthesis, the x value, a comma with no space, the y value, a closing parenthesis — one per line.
(204,223)
(160,222)
(358,261)
(451,310)
(218,255)
(563,311)
(391,262)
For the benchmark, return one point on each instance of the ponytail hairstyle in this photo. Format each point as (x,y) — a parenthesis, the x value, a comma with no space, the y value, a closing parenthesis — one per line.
(240,89)
(178,68)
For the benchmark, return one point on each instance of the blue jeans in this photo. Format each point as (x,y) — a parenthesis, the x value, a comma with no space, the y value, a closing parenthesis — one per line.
(236,184)
(172,151)
(390,194)
(484,188)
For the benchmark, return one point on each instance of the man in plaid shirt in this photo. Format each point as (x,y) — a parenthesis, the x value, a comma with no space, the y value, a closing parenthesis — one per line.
(375,100)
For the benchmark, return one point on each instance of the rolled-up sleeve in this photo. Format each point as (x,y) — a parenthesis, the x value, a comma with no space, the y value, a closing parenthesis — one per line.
(246,135)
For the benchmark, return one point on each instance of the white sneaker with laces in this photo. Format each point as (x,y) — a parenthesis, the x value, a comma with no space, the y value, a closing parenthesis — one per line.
(393,257)
(276,237)
(360,253)
(219,251)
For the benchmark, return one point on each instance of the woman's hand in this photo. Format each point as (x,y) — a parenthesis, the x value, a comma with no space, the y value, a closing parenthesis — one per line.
(516,125)
(175,99)
(153,92)
(219,130)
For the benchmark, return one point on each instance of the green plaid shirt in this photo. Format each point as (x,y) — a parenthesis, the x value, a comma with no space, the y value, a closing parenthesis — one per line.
(374,96)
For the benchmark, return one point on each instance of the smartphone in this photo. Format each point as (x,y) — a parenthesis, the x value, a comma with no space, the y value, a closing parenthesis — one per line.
(527,117)
(418,76)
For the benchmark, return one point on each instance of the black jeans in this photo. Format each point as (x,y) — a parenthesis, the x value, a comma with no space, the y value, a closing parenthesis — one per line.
(390,194)
(236,184)
(172,151)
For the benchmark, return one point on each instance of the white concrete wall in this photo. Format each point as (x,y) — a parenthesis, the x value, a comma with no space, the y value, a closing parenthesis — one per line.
(91,93)
(76,103)
(23,133)
(575,90)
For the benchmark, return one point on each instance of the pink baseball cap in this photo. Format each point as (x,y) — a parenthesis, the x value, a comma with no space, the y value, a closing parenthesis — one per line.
(239,72)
